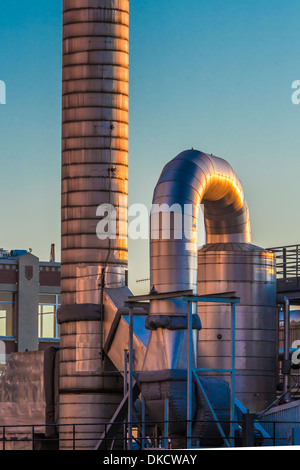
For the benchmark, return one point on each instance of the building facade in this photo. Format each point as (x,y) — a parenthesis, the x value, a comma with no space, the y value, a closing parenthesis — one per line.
(29,299)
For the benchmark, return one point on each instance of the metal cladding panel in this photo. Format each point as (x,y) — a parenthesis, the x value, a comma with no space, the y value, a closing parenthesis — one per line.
(22,392)
(89,413)
(92,43)
(94,86)
(249,271)
(287,418)
(107,4)
(94,131)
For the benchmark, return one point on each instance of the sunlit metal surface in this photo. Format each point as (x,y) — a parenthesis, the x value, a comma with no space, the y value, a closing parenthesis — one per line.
(194,178)
(94,133)
(191,178)
(249,271)
(94,172)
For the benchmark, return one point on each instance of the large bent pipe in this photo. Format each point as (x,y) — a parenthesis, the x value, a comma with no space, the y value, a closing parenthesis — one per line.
(189,180)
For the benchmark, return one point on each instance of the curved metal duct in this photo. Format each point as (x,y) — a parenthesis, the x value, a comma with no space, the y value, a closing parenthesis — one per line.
(187,181)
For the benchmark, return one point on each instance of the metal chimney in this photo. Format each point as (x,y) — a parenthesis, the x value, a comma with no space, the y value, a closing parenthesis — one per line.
(94,173)
(53,253)
(94,134)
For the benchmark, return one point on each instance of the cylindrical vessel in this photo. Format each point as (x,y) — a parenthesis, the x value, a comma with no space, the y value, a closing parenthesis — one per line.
(249,271)
(94,175)
(88,395)
(94,134)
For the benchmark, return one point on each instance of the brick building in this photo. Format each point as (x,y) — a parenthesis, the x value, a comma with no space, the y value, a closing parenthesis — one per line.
(29,299)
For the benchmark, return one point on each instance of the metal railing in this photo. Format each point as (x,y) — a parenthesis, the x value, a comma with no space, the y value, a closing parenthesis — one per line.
(287,261)
(74,436)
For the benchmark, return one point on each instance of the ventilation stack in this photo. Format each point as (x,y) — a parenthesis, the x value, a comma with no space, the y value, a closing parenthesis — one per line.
(94,177)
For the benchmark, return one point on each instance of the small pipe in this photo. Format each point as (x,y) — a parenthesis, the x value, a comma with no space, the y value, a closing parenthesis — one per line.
(102,285)
(190,375)
(125,371)
(53,253)
(130,385)
(286,364)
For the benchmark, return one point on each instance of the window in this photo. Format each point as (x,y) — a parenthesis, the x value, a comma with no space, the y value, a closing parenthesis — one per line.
(3,357)
(7,314)
(48,305)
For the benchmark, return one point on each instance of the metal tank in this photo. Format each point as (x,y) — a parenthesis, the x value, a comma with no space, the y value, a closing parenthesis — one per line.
(94,172)
(249,271)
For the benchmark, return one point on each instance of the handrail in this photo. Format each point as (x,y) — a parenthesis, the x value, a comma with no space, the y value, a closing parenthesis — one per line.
(287,261)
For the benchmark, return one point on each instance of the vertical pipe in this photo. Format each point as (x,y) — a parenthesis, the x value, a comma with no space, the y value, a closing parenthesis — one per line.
(284,260)
(286,365)
(125,387)
(233,337)
(190,375)
(248,430)
(125,371)
(166,426)
(130,398)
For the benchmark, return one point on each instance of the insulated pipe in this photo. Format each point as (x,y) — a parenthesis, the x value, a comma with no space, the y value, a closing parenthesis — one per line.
(186,181)
(94,134)
(189,180)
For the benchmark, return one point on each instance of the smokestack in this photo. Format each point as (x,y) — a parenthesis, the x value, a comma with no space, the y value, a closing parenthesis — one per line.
(94,134)
(94,173)
(53,253)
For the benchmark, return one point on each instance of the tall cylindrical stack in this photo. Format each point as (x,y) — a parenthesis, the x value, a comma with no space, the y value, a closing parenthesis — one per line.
(94,133)
(94,173)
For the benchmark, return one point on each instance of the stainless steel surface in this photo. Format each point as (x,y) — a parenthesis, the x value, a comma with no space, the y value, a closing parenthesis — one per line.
(94,133)
(89,279)
(94,172)
(250,272)
(189,179)
(91,391)
(22,394)
(193,178)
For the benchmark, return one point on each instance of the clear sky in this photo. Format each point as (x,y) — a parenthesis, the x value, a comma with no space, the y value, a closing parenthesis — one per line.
(215,75)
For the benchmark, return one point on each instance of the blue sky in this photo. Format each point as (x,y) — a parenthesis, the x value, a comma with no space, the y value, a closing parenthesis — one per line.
(215,75)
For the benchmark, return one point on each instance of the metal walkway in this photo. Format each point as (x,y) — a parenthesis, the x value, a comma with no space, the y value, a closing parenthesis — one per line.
(288,271)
